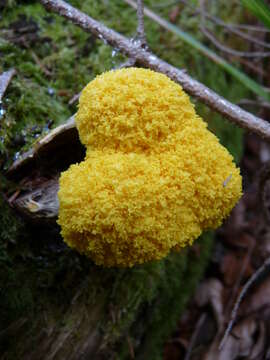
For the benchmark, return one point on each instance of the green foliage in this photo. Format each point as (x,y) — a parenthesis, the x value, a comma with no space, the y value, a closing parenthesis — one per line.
(260,9)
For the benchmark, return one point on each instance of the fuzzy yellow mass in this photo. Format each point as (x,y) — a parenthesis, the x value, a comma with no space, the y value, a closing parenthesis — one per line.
(153,179)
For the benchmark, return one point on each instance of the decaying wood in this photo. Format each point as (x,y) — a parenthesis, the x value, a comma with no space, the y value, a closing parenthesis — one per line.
(40,202)
(39,169)
(5,79)
(51,140)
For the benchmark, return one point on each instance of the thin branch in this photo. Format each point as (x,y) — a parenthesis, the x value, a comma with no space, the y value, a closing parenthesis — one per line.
(39,63)
(250,27)
(204,50)
(74,98)
(230,27)
(140,28)
(240,297)
(5,79)
(240,276)
(257,103)
(195,336)
(253,67)
(239,33)
(232,112)
(226,49)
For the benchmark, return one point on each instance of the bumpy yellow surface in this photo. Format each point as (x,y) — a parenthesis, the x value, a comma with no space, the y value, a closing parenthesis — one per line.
(153,178)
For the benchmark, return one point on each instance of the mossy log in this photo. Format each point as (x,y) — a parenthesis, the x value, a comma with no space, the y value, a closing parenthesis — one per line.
(58,304)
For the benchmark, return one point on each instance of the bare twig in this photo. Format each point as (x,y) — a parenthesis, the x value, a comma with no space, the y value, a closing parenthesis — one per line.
(5,79)
(39,63)
(233,28)
(195,336)
(232,112)
(239,33)
(257,103)
(74,98)
(226,49)
(240,297)
(240,276)
(140,38)
(252,66)
(250,27)
(140,28)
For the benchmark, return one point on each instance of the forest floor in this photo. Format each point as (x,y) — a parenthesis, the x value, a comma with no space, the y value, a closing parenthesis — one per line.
(242,245)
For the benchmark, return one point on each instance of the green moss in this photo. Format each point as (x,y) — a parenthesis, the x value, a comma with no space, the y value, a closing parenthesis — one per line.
(14,299)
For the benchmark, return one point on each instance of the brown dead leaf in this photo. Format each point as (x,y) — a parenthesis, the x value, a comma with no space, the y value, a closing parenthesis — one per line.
(211,292)
(240,343)
(259,299)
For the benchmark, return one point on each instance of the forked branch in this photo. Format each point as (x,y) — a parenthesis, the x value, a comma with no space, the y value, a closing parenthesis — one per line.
(140,26)
(127,47)
(240,297)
